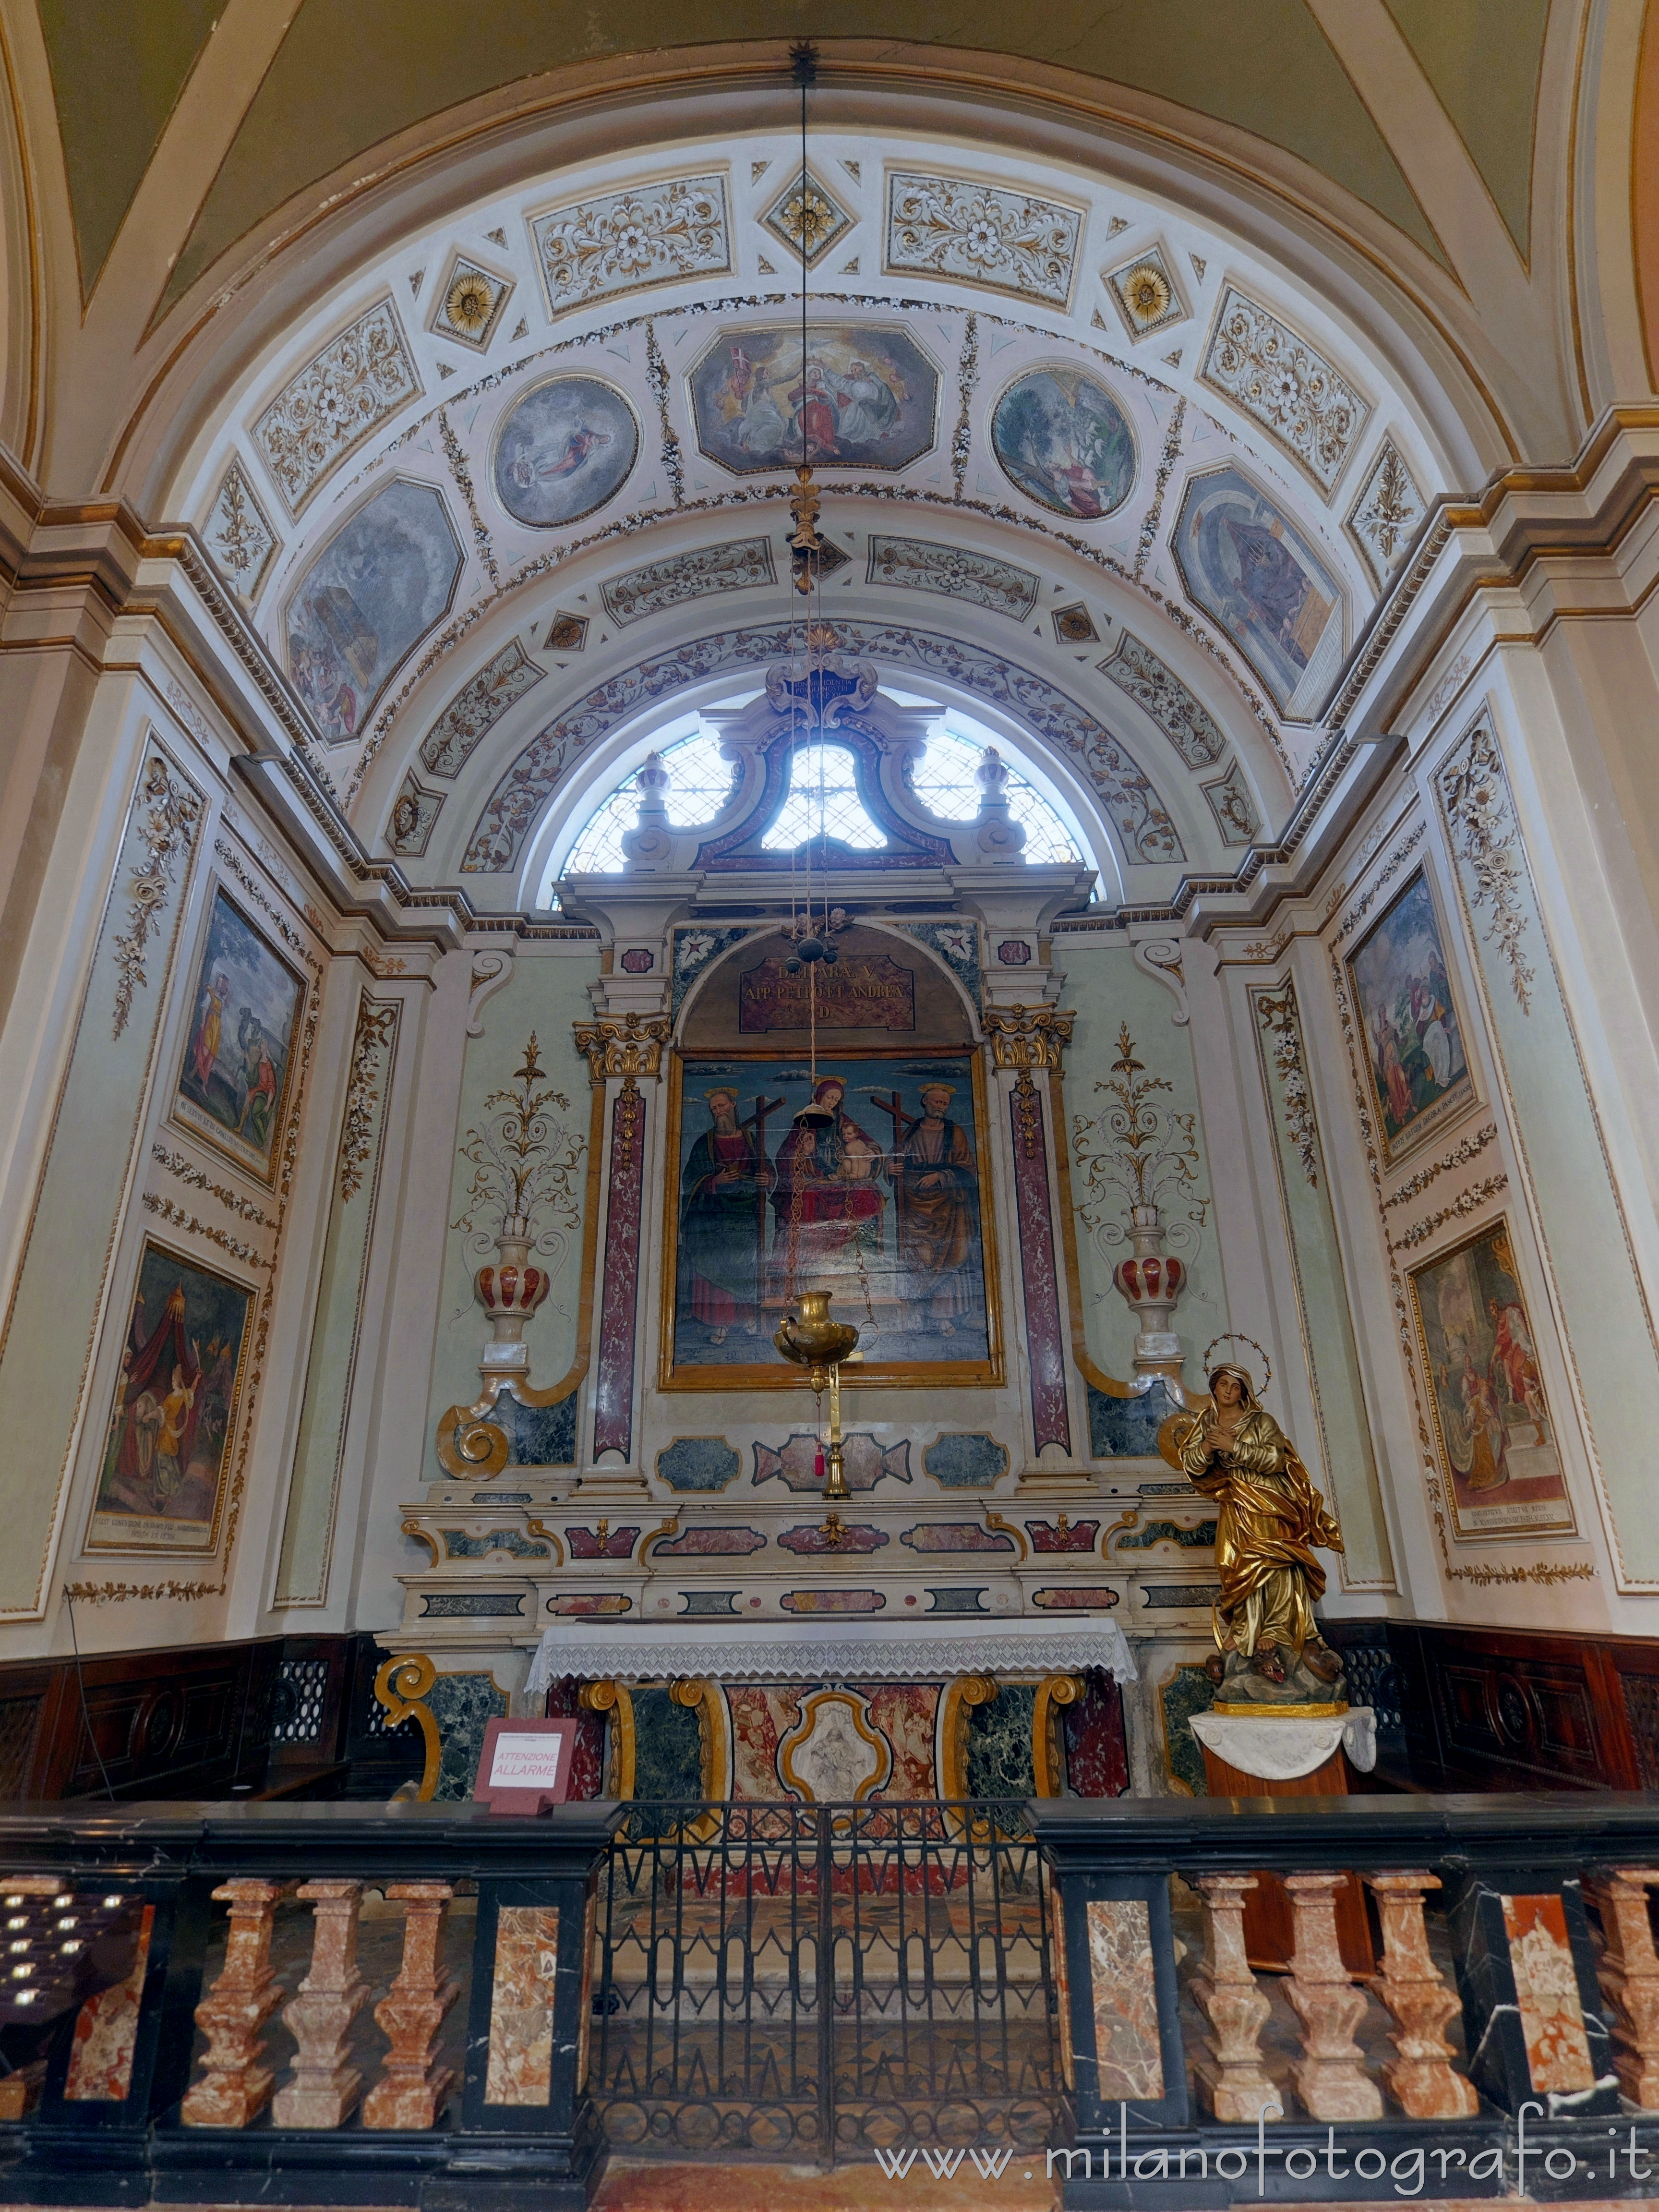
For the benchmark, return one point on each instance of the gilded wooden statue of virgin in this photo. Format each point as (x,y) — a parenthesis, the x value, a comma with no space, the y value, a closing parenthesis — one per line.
(1271,1522)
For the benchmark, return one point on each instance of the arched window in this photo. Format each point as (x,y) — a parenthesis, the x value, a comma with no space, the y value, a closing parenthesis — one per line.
(822,795)
(700,784)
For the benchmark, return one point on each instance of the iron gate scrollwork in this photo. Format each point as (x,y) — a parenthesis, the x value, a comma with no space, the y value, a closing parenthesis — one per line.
(790,1979)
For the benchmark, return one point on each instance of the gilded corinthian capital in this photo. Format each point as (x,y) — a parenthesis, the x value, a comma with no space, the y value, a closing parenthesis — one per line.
(1027,1037)
(632,1046)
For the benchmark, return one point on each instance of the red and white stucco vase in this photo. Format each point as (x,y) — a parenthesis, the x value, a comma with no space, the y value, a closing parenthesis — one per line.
(1150,1283)
(509,1291)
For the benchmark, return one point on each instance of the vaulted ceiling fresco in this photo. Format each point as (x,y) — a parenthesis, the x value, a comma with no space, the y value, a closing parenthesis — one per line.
(1081,457)
(331,93)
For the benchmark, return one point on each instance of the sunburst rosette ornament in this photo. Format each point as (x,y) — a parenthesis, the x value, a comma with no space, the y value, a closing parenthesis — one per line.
(469,305)
(1145,294)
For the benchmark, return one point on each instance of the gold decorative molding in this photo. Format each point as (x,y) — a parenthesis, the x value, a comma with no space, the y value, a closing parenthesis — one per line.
(613,1697)
(534,1526)
(994,1521)
(632,1046)
(376,1035)
(1027,1037)
(401,1686)
(168,828)
(1047,1765)
(468,1446)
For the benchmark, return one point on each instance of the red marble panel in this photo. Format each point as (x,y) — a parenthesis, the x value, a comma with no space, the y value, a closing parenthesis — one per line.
(1044,1352)
(587,1756)
(1062,1535)
(594,1544)
(107,2033)
(1124,1994)
(613,1395)
(760,1717)
(1096,1749)
(905,1713)
(1547,1993)
(832,1601)
(521,2061)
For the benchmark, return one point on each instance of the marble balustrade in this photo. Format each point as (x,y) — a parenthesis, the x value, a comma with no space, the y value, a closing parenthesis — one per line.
(1516,1989)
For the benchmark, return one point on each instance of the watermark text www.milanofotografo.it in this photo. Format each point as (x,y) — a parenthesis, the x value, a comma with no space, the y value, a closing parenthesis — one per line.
(1406,2171)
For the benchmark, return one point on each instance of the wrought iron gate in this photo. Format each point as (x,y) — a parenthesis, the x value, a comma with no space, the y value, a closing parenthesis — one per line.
(822,1980)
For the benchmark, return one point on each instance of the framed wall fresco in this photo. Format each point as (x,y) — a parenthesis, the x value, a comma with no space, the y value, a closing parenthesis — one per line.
(888,1208)
(562,450)
(168,1441)
(1500,1458)
(239,1052)
(869,398)
(1401,981)
(1247,565)
(381,582)
(1061,439)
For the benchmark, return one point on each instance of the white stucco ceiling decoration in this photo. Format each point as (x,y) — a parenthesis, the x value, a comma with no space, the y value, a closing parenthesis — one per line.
(979,389)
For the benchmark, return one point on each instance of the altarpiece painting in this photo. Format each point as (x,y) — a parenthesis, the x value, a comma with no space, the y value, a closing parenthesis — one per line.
(1499,1457)
(166,1448)
(885,1201)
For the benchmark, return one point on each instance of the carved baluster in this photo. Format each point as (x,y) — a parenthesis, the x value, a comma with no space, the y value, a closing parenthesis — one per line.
(1629,1975)
(409,2091)
(324,2087)
(1224,1989)
(1329,2077)
(233,2086)
(1421,2079)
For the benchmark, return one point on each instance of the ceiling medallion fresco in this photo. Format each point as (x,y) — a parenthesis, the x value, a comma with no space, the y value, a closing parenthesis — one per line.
(1245,564)
(564,451)
(1061,438)
(869,398)
(1126,795)
(376,588)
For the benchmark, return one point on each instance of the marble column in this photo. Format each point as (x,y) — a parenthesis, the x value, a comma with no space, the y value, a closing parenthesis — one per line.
(411,2090)
(1330,2077)
(1235,2087)
(1628,1972)
(234,2086)
(1421,2079)
(324,2087)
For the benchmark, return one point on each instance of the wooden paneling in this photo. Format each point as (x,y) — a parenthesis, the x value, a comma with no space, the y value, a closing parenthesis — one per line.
(1507,1709)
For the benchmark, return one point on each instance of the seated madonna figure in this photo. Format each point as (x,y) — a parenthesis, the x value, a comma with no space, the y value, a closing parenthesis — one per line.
(1271,1519)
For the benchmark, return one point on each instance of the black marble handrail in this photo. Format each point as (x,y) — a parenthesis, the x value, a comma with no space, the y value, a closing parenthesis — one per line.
(1568,1830)
(516,2129)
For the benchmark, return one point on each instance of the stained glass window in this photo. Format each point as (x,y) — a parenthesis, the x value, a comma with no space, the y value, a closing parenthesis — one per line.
(700,784)
(822,801)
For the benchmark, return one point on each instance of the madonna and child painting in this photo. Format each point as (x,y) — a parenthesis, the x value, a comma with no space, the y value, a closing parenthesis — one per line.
(878,1201)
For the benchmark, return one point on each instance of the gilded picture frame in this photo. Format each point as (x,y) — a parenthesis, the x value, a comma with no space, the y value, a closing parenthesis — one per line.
(236,1068)
(165,1457)
(1413,1034)
(889,1259)
(1495,1434)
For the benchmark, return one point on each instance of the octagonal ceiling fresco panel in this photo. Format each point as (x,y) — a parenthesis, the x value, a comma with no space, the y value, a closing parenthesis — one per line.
(563,450)
(1248,566)
(869,398)
(1061,439)
(376,587)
